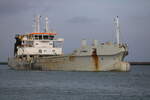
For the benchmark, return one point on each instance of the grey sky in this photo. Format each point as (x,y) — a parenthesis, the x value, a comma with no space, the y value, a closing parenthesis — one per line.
(78,19)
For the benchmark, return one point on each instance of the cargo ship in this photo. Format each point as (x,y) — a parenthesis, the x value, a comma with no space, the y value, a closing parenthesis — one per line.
(42,51)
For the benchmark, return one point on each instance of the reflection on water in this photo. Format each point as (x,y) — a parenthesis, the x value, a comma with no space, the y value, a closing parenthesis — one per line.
(60,85)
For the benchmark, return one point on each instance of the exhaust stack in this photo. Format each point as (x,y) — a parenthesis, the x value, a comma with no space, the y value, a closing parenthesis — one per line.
(46,24)
(117,29)
(37,24)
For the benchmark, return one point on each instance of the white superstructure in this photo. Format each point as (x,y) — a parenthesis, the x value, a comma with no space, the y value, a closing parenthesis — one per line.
(38,43)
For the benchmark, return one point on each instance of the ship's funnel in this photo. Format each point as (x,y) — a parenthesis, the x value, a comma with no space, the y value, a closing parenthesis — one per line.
(37,24)
(83,43)
(117,26)
(46,24)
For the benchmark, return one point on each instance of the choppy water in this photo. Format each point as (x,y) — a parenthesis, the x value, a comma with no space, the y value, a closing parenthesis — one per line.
(59,85)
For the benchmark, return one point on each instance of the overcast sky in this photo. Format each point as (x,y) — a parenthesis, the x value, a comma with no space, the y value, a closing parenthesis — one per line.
(74,20)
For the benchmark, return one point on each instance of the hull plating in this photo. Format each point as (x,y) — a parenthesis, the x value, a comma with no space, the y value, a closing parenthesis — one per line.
(71,63)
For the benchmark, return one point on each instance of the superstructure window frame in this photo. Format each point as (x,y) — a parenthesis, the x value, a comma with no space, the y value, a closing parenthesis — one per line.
(45,37)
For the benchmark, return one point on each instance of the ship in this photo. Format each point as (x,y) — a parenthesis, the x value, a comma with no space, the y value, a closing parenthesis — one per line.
(42,51)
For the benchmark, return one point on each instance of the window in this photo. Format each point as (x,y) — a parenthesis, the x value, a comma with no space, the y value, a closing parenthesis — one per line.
(40,37)
(50,43)
(45,50)
(53,50)
(40,51)
(58,44)
(36,37)
(84,51)
(51,37)
(36,43)
(45,37)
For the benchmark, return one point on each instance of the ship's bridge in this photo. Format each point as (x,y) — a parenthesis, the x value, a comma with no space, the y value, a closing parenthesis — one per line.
(39,36)
(40,44)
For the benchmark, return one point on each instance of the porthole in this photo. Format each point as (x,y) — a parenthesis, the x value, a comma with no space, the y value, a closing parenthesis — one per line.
(40,51)
(36,43)
(50,43)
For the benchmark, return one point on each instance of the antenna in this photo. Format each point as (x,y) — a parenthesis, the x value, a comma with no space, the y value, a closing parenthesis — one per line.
(37,24)
(46,24)
(117,26)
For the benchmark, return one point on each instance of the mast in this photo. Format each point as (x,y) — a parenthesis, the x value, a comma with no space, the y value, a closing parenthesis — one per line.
(37,24)
(46,24)
(117,29)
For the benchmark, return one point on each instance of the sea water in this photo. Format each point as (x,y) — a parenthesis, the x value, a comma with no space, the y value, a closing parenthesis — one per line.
(63,85)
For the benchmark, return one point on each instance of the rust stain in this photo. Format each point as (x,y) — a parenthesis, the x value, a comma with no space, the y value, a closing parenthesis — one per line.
(71,58)
(95,59)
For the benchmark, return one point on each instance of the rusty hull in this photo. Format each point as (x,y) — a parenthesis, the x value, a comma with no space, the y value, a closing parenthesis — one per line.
(91,58)
(69,63)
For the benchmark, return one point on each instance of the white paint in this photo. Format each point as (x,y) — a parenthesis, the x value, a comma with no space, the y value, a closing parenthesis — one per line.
(39,51)
(46,24)
(40,47)
(37,24)
(117,26)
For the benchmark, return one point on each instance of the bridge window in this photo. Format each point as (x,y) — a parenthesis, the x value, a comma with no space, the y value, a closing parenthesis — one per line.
(51,37)
(45,37)
(40,37)
(36,37)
